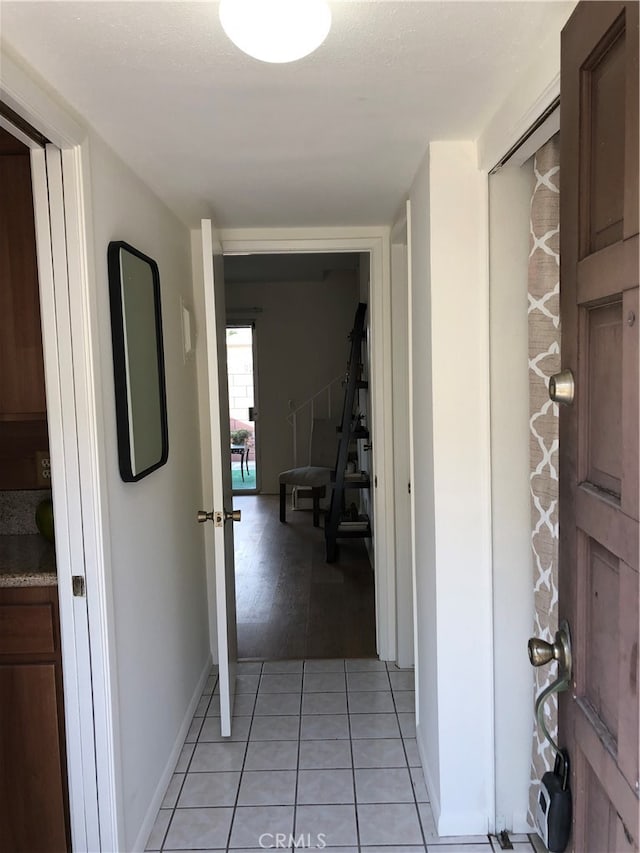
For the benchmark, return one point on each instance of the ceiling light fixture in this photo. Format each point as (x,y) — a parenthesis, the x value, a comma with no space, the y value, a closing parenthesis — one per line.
(276,30)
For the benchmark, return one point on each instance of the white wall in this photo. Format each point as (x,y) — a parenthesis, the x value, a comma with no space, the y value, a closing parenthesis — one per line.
(451,478)
(157,574)
(422,482)
(301,344)
(509,195)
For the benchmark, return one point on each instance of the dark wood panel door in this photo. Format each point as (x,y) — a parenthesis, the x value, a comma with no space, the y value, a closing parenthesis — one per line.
(599,431)
(34,813)
(32,808)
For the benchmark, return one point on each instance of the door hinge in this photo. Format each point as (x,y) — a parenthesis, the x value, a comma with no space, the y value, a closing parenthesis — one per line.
(77,584)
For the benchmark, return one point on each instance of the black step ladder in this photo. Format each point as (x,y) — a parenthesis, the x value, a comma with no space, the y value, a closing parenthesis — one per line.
(338,523)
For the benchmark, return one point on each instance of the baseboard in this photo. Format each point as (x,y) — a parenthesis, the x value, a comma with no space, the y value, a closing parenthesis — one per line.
(165,778)
(449,823)
(462,823)
(434,799)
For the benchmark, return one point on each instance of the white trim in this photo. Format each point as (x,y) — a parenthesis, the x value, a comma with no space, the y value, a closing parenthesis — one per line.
(30,101)
(91,452)
(412,465)
(376,241)
(55,330)
(509,124)
(485,501)
(19,134)
(71,350)
(401,443)
(170,766)
(549,127)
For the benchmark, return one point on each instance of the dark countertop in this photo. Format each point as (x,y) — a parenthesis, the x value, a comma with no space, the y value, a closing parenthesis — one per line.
(27,560)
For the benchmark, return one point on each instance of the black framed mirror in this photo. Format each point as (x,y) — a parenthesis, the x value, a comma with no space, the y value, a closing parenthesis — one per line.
(138,361)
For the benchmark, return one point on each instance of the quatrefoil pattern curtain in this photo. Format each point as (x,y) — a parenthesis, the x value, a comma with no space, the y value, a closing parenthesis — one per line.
(544,360)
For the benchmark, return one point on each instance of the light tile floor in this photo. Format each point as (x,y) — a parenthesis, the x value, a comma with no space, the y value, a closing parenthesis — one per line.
(325,750)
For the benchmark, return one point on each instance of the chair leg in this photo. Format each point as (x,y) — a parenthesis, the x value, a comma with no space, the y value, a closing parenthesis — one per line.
(283,503)
(316,494)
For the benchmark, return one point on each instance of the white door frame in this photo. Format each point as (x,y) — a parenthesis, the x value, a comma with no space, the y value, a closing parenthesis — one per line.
(403,434)
(74,402)
(375,241)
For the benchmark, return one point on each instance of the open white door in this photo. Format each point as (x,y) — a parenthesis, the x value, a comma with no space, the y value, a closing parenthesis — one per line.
(221,513)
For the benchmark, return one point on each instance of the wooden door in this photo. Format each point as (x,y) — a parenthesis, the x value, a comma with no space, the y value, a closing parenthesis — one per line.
(220,443)
(34,811)
(599,432)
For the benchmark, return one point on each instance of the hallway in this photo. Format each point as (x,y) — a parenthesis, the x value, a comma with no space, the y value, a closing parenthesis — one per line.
(290,603)
(325,749)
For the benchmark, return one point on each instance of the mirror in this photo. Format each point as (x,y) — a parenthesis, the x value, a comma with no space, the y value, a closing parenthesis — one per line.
(138,361)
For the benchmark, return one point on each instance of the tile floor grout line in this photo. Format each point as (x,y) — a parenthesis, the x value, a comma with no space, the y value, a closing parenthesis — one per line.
(353,770)
(244,761)
(297,782)
(404,749)
(175,806)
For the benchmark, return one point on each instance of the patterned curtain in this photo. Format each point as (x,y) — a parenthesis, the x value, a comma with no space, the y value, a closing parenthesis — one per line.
(544,360)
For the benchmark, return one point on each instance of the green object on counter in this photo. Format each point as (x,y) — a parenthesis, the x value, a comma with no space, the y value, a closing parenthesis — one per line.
(44,519)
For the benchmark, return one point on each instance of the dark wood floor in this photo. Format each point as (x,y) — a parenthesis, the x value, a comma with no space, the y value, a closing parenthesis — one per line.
(290,603)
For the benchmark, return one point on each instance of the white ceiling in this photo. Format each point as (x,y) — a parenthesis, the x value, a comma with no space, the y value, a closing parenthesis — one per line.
(334,139)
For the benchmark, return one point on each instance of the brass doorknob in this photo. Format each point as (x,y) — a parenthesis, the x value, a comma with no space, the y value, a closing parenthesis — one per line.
(542,652)
(218,517)
(562,387)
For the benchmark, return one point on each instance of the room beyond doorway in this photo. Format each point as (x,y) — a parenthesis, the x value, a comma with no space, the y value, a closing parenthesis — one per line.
(290,603)
(242,407)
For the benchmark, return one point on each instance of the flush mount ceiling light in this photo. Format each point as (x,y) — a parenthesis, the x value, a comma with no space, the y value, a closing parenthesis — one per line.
(276,30)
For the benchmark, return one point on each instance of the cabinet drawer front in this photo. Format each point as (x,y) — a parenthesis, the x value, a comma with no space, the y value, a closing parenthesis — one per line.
(26,629)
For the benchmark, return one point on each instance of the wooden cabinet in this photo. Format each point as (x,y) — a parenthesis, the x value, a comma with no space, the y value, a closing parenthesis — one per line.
(33,789)
(23,425)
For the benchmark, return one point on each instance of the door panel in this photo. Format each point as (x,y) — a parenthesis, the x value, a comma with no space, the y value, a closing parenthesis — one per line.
(602,141)
(630,357)
(598,568)
(220,444)
(601,597)
(604,397)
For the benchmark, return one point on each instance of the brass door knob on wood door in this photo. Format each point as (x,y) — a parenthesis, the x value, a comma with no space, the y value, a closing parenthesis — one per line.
(541,652)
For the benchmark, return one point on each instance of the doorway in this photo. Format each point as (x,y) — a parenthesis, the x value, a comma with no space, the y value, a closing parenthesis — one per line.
(31,706)
(290,603)
(60,247)
(241,375)
(374,244)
